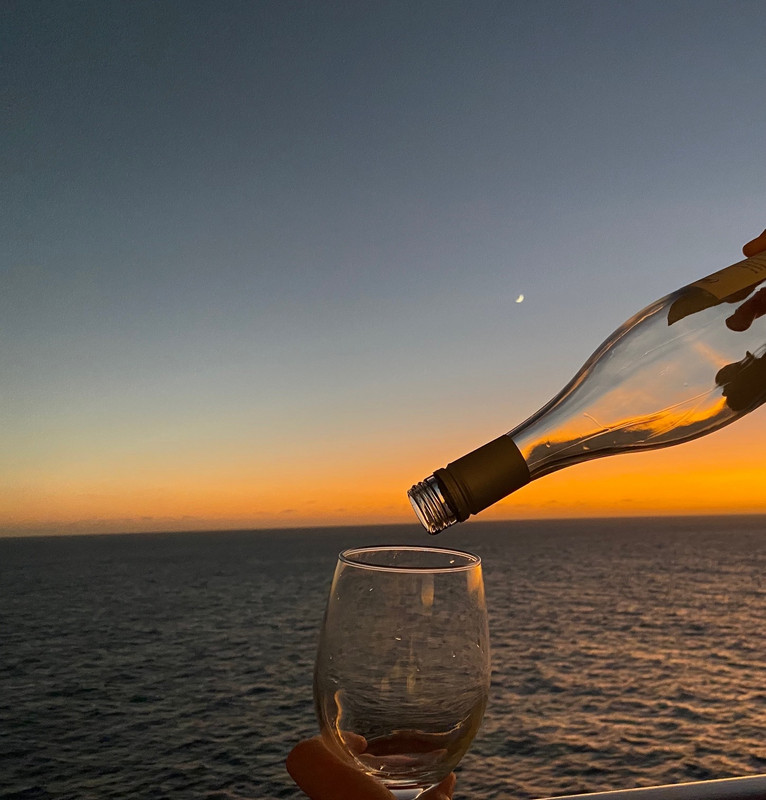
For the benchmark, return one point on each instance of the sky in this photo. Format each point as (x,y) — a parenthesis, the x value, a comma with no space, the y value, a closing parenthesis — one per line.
(261,260)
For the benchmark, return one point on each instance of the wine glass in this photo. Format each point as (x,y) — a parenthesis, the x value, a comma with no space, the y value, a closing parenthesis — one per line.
(402,672)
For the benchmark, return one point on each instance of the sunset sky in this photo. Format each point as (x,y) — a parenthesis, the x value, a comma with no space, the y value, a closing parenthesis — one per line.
(261,260)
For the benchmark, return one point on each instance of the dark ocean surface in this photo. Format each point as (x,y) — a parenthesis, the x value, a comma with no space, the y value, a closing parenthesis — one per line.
(625,653)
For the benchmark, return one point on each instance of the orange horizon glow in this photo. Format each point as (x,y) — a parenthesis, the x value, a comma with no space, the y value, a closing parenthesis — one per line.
(722,474)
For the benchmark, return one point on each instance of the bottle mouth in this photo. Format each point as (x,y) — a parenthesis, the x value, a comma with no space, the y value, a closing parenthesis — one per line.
(430,505)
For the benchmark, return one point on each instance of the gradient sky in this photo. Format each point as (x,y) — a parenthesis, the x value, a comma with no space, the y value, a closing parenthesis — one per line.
(260,259)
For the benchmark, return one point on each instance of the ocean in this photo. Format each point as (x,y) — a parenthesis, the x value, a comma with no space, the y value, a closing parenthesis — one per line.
(625,653)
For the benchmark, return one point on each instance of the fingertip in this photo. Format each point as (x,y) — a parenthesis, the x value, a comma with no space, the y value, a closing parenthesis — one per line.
(755,246)
(354,742)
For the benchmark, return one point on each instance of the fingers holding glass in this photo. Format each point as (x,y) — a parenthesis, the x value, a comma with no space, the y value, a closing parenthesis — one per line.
(323,775)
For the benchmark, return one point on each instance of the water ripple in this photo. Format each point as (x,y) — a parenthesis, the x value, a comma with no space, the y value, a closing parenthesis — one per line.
(180,665)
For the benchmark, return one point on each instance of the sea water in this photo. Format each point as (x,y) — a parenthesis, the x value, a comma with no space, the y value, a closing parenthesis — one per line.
(625,653)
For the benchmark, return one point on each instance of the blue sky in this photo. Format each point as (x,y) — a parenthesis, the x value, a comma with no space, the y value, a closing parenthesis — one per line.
(269,238)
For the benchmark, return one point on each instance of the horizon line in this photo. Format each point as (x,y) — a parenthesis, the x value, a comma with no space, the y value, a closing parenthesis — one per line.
(10,533)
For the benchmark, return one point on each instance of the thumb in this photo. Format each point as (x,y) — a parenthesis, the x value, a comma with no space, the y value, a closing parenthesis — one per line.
(323,776)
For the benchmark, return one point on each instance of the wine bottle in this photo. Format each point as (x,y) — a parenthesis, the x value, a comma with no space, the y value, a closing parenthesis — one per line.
(685,366)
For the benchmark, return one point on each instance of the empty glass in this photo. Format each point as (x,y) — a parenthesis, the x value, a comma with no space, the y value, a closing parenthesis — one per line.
(402,673)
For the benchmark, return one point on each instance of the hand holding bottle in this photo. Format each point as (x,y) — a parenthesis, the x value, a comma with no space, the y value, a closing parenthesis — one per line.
(755,307)
(682,367)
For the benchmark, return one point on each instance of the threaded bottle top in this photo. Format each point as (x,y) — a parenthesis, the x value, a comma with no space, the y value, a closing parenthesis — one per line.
(430,505)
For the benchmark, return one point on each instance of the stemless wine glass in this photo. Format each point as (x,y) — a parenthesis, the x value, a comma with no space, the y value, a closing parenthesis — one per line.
(402,672)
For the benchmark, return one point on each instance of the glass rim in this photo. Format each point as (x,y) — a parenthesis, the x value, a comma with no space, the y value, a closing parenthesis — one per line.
(469,560)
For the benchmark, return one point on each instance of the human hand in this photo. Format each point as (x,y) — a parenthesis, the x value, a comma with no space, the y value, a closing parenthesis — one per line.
(744,380)
(322,775)
(755,307)
(757,245)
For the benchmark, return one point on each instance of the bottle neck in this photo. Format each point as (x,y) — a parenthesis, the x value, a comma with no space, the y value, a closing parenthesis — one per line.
(470,484)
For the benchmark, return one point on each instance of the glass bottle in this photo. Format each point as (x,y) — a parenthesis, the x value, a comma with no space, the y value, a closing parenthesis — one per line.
(681,368)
